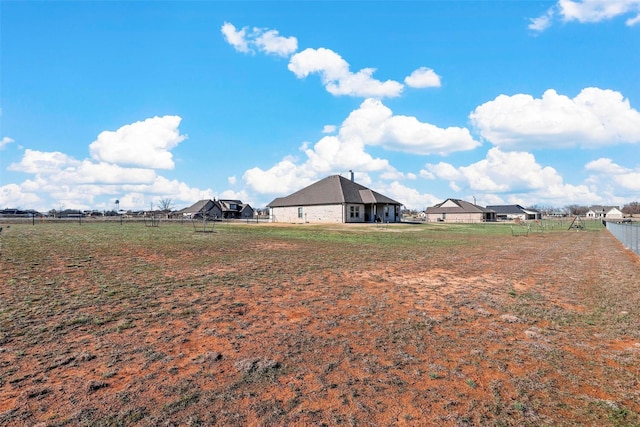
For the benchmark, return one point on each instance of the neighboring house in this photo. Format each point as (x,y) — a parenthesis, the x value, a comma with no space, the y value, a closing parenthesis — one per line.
(514,212)
(198,209)
(559,213)
(335,199)
(233,209)
(70,213)
(217,209)
(19,213)
(602,212)
(456,210)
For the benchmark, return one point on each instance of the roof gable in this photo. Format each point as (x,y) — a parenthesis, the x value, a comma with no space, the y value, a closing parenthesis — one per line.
(457,206)
(202,205)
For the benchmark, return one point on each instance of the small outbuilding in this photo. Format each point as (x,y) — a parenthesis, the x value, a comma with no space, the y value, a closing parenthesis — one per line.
(335,199)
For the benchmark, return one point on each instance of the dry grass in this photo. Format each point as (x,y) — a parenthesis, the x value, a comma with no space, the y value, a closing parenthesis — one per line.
(108,324)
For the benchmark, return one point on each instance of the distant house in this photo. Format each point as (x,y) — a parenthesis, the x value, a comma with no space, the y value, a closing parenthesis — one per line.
(602,212)
(456,210)
(217,209)
(514,212)
(19,213)
(198,209)
(335,199)
(559,213)
(234,209)
(70,213)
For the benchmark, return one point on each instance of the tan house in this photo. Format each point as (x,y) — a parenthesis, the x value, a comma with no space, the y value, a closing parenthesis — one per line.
(456,210)
(335,199)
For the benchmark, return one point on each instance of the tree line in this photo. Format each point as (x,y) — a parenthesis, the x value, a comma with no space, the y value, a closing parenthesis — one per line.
(632,208)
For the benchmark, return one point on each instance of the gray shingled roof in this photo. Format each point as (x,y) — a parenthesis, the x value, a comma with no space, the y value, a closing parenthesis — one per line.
(196,207)
(508,209)
(462,207)
(332,190)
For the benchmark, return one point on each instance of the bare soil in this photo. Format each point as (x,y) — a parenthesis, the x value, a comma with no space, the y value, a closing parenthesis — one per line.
(267,325)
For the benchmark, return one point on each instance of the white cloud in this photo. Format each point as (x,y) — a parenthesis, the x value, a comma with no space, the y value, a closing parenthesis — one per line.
(514,173)
(594,118)
(39,162)
(282,178)
(88,172)
(393,174)
(235,195)
(329,128)
(542,22)
(60,168)
(509,171)
(271,42)
(248,40)
(426,174)
(605,166)
(613,177)
(232,180)
(588,11)
(374,124)
(329,155)
(629,181)
(61,180)
(336,76)
(236,38)
(333,153)
(5,141)
(423,77)
(598,10)
(409,197)
(334,71)
(146,143)
(444,171)
(14,196)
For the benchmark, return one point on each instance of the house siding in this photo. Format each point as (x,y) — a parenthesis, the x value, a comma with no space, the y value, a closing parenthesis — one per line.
(358,209)
(615,214)
(311,214)
(456,217)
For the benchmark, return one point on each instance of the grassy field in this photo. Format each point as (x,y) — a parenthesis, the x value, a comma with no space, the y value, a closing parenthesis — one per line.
(265,324)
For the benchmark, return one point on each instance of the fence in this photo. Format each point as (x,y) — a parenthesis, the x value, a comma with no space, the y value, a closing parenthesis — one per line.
(627,233)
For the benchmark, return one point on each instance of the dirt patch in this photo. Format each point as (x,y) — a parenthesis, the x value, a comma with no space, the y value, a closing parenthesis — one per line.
(259,326)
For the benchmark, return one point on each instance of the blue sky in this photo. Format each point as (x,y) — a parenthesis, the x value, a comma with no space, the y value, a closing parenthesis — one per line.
(529,102)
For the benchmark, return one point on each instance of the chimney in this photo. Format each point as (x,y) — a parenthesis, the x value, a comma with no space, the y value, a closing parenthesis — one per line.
(352,178)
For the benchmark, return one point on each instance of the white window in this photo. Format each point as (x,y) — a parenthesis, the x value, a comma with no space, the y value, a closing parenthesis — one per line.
(299,212)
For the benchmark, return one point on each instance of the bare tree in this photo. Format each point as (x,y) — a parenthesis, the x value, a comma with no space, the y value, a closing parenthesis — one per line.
(544,210)
(577,209)
(165,205)
(632,208)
